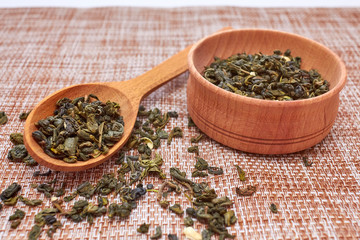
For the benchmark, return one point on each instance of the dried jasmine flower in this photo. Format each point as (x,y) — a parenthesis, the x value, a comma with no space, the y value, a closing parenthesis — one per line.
(191,234)
(247,191)
(144,228)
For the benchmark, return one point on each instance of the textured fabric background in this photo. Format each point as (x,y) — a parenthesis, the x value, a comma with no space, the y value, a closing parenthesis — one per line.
(43,50)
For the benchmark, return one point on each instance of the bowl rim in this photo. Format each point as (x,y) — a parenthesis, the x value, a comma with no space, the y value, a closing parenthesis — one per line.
(249,100)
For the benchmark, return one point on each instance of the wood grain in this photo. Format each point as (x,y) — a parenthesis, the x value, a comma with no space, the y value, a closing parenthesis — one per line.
(263,126)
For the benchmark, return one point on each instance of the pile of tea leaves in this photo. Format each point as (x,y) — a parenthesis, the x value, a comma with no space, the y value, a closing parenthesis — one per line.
(80,129)
(271,77)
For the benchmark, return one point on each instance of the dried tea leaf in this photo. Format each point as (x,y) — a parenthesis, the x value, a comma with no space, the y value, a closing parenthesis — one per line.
(176,208)
(215,170)
(197,138)
(10,191)
(273,208)
(188,221)
(175,132)
(158,233)
(3,118)
(24,115)
(247,191)
(15,223)
(34,233)
(198,173)
(230,218)
(144,228)
(172,237)
(307,162)
(32,203)
(17,138)
(241,173)
(18,214)
(201,164)
(193,149)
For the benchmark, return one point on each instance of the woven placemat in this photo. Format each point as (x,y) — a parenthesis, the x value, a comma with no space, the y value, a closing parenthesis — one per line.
(45,49)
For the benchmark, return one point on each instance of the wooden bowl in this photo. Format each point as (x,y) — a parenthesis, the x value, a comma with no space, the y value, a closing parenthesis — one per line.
(255,125)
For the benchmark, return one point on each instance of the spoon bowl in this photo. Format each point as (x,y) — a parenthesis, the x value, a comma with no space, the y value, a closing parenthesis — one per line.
(45,108)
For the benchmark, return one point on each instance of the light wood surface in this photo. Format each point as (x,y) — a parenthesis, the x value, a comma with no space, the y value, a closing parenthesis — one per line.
(127,93)
(263,126)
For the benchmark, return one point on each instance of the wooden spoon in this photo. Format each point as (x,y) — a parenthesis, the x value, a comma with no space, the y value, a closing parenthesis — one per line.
(127,93)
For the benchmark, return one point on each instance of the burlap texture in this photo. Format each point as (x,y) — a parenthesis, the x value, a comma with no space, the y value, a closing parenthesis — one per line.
(46,49)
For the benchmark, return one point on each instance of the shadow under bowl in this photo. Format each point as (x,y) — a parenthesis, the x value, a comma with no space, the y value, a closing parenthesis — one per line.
(255,125)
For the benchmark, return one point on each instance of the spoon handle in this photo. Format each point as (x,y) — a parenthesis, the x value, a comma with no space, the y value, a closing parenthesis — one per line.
(144,84)
(149,81)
